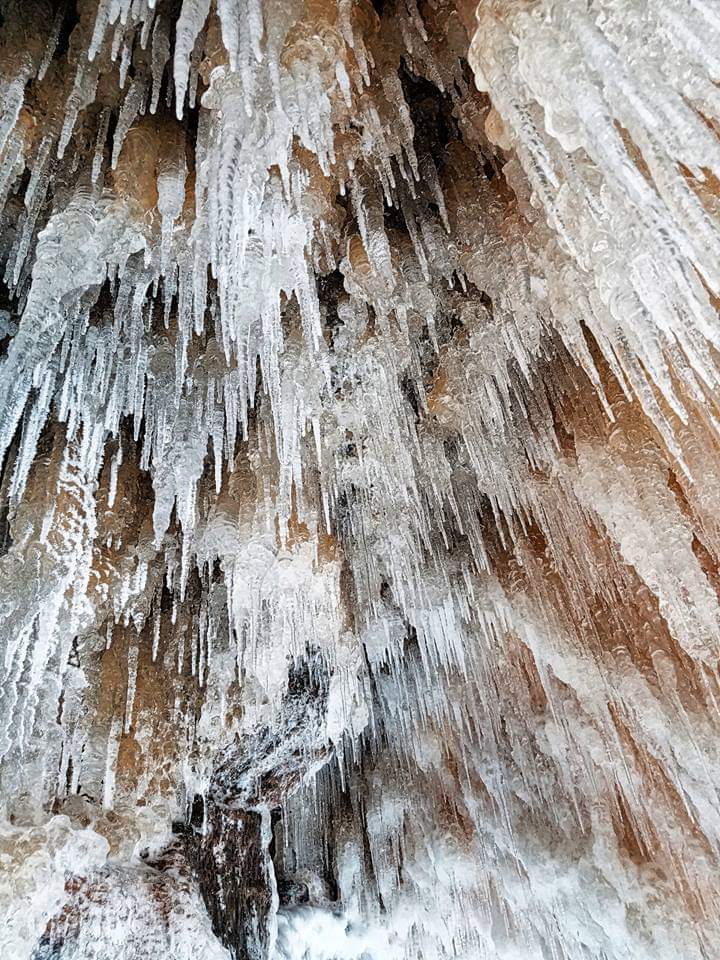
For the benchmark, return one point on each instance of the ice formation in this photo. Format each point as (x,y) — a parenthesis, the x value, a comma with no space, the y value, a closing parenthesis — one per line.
(360,491)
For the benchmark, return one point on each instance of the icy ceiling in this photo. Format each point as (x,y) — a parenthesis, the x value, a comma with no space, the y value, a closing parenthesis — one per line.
(360,501)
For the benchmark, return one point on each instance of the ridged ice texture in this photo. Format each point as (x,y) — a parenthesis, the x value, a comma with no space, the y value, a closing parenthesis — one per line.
(360,443)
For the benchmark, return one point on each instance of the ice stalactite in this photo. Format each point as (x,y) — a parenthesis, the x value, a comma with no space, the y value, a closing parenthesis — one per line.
(359,448)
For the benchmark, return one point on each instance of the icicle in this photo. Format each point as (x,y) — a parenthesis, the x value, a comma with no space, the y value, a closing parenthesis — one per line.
(190,22)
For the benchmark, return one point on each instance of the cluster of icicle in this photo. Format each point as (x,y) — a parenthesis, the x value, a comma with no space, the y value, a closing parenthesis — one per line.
(384,338)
